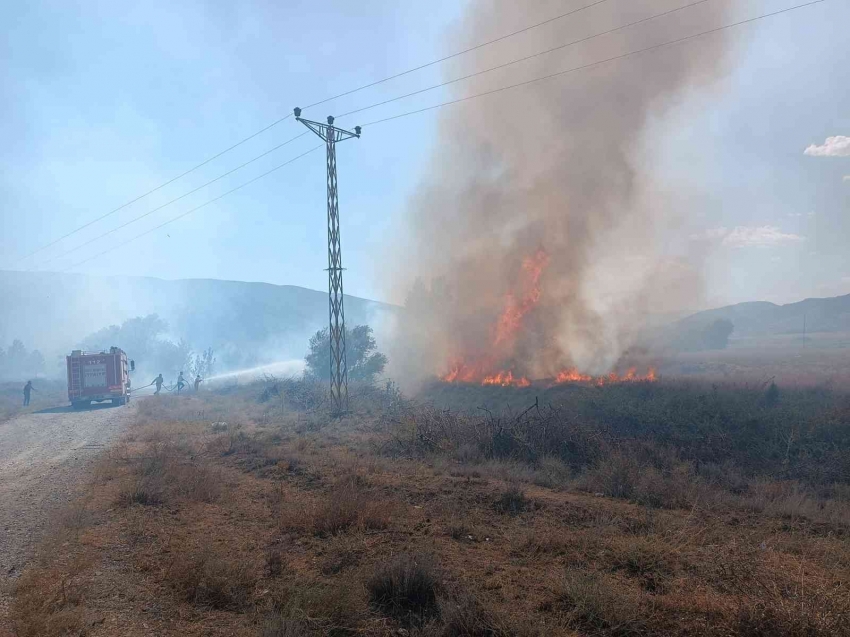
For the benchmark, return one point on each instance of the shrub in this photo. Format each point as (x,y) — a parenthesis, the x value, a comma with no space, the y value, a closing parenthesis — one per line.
(594,605)
(512,501)
(466,617)
(347,506)
(47,604)
(209,580)
(405,589)
(141,490)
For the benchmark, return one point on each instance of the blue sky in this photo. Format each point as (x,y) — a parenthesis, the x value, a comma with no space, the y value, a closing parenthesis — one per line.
(102,101)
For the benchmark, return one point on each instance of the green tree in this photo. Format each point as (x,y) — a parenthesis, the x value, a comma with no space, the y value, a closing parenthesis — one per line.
(365,362)
(203,364)
(139,337)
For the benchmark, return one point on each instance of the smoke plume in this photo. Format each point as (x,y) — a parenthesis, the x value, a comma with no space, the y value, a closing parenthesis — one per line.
(540,228)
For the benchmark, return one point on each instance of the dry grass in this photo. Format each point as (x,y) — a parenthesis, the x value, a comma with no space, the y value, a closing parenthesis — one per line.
(47,603)
(348,505)
(406,589)
(596,605)
(280,525)
(47,394)
(209,579)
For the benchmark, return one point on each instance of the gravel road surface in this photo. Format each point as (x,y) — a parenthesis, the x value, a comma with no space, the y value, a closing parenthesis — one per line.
(43,461)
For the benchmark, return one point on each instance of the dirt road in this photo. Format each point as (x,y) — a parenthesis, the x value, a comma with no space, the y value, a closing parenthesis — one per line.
(43,458)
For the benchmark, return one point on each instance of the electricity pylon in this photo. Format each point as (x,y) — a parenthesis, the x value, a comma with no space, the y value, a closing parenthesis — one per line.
(336,306)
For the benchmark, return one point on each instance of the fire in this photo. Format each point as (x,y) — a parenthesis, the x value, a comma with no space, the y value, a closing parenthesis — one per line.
(506,379)
(489,369)
(572,376)
(485,369)
(510,321)
(631,376)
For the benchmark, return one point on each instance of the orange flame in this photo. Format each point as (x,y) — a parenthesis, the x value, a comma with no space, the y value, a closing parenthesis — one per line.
(511,318)
(481,368)
(506,379)
(631,376)
(572,376)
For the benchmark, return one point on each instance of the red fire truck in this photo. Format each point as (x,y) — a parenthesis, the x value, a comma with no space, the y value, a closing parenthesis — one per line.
(98,377)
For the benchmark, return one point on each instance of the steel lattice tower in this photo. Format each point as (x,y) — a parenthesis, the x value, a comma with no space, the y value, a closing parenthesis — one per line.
(336,306)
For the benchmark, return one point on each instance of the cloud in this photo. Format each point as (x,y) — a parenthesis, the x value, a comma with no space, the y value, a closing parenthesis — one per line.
(838,146)
(748,237)
(710,235)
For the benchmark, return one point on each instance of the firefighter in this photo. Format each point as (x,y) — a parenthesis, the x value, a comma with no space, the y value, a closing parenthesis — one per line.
(198,381)
(158,381)
(181,382)
(28,388)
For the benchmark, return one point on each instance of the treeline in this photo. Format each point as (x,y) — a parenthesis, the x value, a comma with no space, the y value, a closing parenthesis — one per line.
(144,338)
(16,362)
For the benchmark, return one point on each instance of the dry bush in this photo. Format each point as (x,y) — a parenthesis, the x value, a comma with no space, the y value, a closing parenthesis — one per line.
(459,530)
(208,579)
(540,542)
(347,506)
(596,605)
(317,608)
(343,554)
(406,589)
(162,470)
(512,501)
(274,562)
(792,500)
(467,617)
(143,490)
(649,561)
(197,482)
(785,604)
(624,475)
(790,619)
(47,603)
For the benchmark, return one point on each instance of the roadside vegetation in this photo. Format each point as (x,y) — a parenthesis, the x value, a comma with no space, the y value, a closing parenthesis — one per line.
(642,509)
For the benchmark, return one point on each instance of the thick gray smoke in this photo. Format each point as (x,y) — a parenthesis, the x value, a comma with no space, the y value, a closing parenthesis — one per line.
(558,174)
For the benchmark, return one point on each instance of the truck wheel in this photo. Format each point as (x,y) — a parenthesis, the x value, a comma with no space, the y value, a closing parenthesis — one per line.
(122,400)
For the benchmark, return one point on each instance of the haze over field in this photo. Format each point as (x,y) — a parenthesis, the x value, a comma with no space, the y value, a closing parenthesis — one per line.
(592,376)
(612,199)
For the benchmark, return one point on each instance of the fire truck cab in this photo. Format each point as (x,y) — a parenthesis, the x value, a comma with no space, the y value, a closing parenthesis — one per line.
(98,377)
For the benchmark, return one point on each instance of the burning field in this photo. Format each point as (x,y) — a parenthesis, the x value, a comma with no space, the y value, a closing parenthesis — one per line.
(502,365)
(542,240)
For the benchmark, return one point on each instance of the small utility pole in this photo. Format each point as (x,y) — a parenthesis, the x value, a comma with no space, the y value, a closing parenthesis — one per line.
(336,308)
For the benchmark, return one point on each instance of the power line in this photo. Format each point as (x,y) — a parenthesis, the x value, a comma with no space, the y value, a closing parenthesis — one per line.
(459,53)
(183,196)
(592,64)
(491,92)
(150,192)
(526,58)
(278,121)
(188,212)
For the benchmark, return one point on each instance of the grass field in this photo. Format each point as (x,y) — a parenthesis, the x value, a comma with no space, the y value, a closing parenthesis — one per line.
(47,394)
(645,509)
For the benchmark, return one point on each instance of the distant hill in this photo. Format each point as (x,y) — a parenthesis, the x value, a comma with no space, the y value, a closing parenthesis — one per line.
(761,318)
(53,312)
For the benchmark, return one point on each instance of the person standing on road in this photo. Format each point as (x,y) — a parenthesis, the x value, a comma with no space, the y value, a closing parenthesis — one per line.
(198,381)
(28,388)
(181,382)
(158,381)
